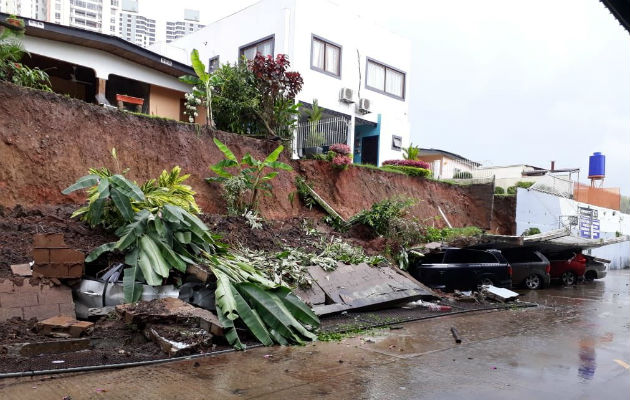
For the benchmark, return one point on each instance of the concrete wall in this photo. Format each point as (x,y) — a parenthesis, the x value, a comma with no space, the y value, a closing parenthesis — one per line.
(165,102)
(293,24)
(541,210)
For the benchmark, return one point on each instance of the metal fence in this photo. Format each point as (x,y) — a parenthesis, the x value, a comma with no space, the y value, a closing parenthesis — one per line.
(313,137)
(556,185)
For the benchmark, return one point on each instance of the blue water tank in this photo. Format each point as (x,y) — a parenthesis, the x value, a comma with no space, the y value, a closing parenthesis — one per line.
(597,166)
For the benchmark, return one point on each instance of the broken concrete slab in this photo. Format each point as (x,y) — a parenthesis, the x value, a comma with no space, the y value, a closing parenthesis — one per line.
(361,286)
(178,340)
(498,294)
(21,270)
(64,326)
(169,310)
(312,296)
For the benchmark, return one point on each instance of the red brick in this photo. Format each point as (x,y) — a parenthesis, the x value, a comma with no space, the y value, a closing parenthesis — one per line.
(51,270)
(75,270)
(66,256)
(44,240)
(41,256)
(8,300)
(42,311)
(6,313)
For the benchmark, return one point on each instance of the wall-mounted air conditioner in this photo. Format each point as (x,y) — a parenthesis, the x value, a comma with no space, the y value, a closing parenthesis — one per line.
(345,95)
(364,106)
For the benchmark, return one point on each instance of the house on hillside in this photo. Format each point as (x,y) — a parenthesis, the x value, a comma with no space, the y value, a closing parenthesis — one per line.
(106,70)
(357,71)
(447,165)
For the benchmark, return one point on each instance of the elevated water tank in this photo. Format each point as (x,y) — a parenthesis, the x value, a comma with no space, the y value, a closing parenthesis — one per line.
(597,166)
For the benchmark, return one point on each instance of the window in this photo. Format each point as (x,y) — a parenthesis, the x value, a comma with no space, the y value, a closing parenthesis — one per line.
(263,46)
(396,142)
(385,79)
(213,64)
(325,57)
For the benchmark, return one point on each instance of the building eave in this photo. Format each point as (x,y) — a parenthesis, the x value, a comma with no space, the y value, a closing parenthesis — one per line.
(620,9)
(109,44)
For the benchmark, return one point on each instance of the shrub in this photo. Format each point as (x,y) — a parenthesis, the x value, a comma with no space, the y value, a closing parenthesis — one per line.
(411,153)
(408,163)
(382,214)
(411,171)
(462,175)
(524,184)
(531,231)
(340,148)
(340,161)
(499,190)
(511,190)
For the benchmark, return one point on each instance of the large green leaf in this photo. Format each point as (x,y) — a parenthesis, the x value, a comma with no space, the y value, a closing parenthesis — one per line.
(298,309)
(171,258)
(132,290)
(279,165)
(229,330)
(95,212)
(251,319)
(149,274)
(97,252)
(198,66)
(82,183)
(149,248)
(225,150)
(122,204)
(127,187)
(273,156)
(190,79)
(103,189)
(223,295)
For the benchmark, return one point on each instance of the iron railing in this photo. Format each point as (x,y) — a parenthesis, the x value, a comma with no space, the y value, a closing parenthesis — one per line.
(313,137)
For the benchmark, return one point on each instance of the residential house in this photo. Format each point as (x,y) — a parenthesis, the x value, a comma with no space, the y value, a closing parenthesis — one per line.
(447,165)
(104,69)
(358,71)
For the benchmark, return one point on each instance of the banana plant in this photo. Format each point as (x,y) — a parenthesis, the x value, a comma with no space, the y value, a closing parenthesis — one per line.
(203,84)
(251,170)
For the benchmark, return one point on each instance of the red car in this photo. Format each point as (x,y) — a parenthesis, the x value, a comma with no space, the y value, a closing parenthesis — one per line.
(567,267)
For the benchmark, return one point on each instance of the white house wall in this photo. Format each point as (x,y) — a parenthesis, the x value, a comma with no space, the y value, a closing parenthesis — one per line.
(101,62)
(542,211)
(293,23)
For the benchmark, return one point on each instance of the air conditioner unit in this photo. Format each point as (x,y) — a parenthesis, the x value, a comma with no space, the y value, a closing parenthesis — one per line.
(345,95)
(364,106)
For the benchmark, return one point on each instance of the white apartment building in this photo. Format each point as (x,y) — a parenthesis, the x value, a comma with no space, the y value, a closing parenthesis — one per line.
(123,18)
(356,70)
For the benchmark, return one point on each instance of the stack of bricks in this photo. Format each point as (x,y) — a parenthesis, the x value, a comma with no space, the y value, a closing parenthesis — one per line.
(20,298)
(54,259)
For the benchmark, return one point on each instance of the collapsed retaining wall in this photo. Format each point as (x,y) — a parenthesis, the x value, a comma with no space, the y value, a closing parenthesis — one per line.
(47,141)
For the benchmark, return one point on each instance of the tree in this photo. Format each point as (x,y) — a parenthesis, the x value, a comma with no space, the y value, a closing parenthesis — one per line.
(411,153)
(201,91)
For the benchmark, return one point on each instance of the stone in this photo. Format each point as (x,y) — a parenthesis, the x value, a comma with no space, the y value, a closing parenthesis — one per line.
(65,325)
(21,270)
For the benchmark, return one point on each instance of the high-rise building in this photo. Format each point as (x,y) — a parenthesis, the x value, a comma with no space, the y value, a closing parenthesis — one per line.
(177,29)
(123,18)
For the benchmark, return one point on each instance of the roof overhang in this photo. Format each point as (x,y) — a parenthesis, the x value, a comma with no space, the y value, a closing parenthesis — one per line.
(109,44)
(621,10)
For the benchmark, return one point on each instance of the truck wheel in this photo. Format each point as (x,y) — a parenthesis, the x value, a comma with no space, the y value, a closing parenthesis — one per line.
(590,276)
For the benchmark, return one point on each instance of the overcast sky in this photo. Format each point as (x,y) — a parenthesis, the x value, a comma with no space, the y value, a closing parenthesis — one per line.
(508,82)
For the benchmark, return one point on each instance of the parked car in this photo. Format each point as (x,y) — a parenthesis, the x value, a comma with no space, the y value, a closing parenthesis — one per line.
(569,267)
(462,269)
(596,268)
(530,268)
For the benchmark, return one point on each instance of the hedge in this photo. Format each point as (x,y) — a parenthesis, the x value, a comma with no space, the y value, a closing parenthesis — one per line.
(411,171)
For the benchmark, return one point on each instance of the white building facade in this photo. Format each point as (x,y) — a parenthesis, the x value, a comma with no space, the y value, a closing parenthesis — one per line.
(356,70)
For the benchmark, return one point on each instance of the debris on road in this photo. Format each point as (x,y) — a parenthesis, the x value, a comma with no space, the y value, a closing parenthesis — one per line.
(456,335)
(428,305)
(63,326)
(498,294)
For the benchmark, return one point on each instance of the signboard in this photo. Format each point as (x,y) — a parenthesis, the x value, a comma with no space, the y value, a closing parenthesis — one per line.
(588,223)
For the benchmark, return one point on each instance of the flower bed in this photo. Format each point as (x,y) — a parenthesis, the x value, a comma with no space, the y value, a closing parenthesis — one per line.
(408,163)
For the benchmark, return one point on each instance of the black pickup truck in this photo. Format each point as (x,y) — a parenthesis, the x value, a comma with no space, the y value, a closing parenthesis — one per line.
(462,269)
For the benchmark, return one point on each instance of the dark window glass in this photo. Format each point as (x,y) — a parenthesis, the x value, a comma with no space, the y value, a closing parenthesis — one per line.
(463,256)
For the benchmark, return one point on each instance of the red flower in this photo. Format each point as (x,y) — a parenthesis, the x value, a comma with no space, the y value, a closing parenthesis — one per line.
(408,163)
(340,148)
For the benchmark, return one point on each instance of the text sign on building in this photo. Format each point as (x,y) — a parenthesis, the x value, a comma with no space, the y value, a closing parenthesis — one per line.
(589,223)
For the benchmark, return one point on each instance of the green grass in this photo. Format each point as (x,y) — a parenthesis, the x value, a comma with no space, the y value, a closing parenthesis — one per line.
(344,334)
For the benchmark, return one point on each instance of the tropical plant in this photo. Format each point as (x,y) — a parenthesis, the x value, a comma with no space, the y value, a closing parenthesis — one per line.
(12,52)
(113,199)
(201,90)
(382,213)
(278,88)
(235,100)
(411,153)
(250,177)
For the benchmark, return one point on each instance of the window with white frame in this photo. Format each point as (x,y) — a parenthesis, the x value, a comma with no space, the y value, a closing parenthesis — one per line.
(385,79)
(326,56)
(264,47)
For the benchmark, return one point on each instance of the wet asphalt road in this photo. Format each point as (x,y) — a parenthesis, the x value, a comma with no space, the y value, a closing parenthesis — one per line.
(576,345)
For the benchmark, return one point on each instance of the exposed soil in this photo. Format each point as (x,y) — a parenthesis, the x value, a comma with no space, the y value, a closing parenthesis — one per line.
(504,215)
